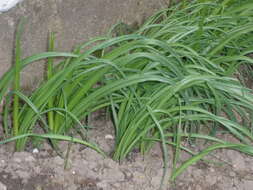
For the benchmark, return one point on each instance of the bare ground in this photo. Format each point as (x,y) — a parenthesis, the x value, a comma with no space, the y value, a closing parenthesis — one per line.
(88,170)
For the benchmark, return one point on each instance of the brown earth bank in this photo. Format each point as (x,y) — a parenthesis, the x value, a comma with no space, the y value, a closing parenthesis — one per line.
(85,169)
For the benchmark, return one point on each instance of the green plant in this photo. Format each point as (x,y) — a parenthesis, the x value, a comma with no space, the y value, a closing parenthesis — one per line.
(172,80)
(16,85)
(196,49)
(49,75)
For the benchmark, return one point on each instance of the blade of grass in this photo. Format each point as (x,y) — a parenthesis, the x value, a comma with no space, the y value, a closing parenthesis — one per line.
(49,75)
(56,137)
(240,147)
(164,147)
(16,85)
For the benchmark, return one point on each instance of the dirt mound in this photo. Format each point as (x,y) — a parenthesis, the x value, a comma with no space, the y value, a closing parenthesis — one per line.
(88,170)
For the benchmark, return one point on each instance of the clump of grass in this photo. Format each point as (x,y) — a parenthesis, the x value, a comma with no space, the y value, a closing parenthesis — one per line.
(163,83)
(196,50)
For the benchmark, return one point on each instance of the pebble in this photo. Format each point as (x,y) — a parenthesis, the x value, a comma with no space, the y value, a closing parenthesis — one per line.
(35,151)
(109,137)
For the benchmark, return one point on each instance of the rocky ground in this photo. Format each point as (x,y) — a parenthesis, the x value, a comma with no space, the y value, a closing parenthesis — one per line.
(88,170)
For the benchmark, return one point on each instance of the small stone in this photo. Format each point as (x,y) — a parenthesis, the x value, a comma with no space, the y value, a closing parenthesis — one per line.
(109,137)
(35,151)
(2,186)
